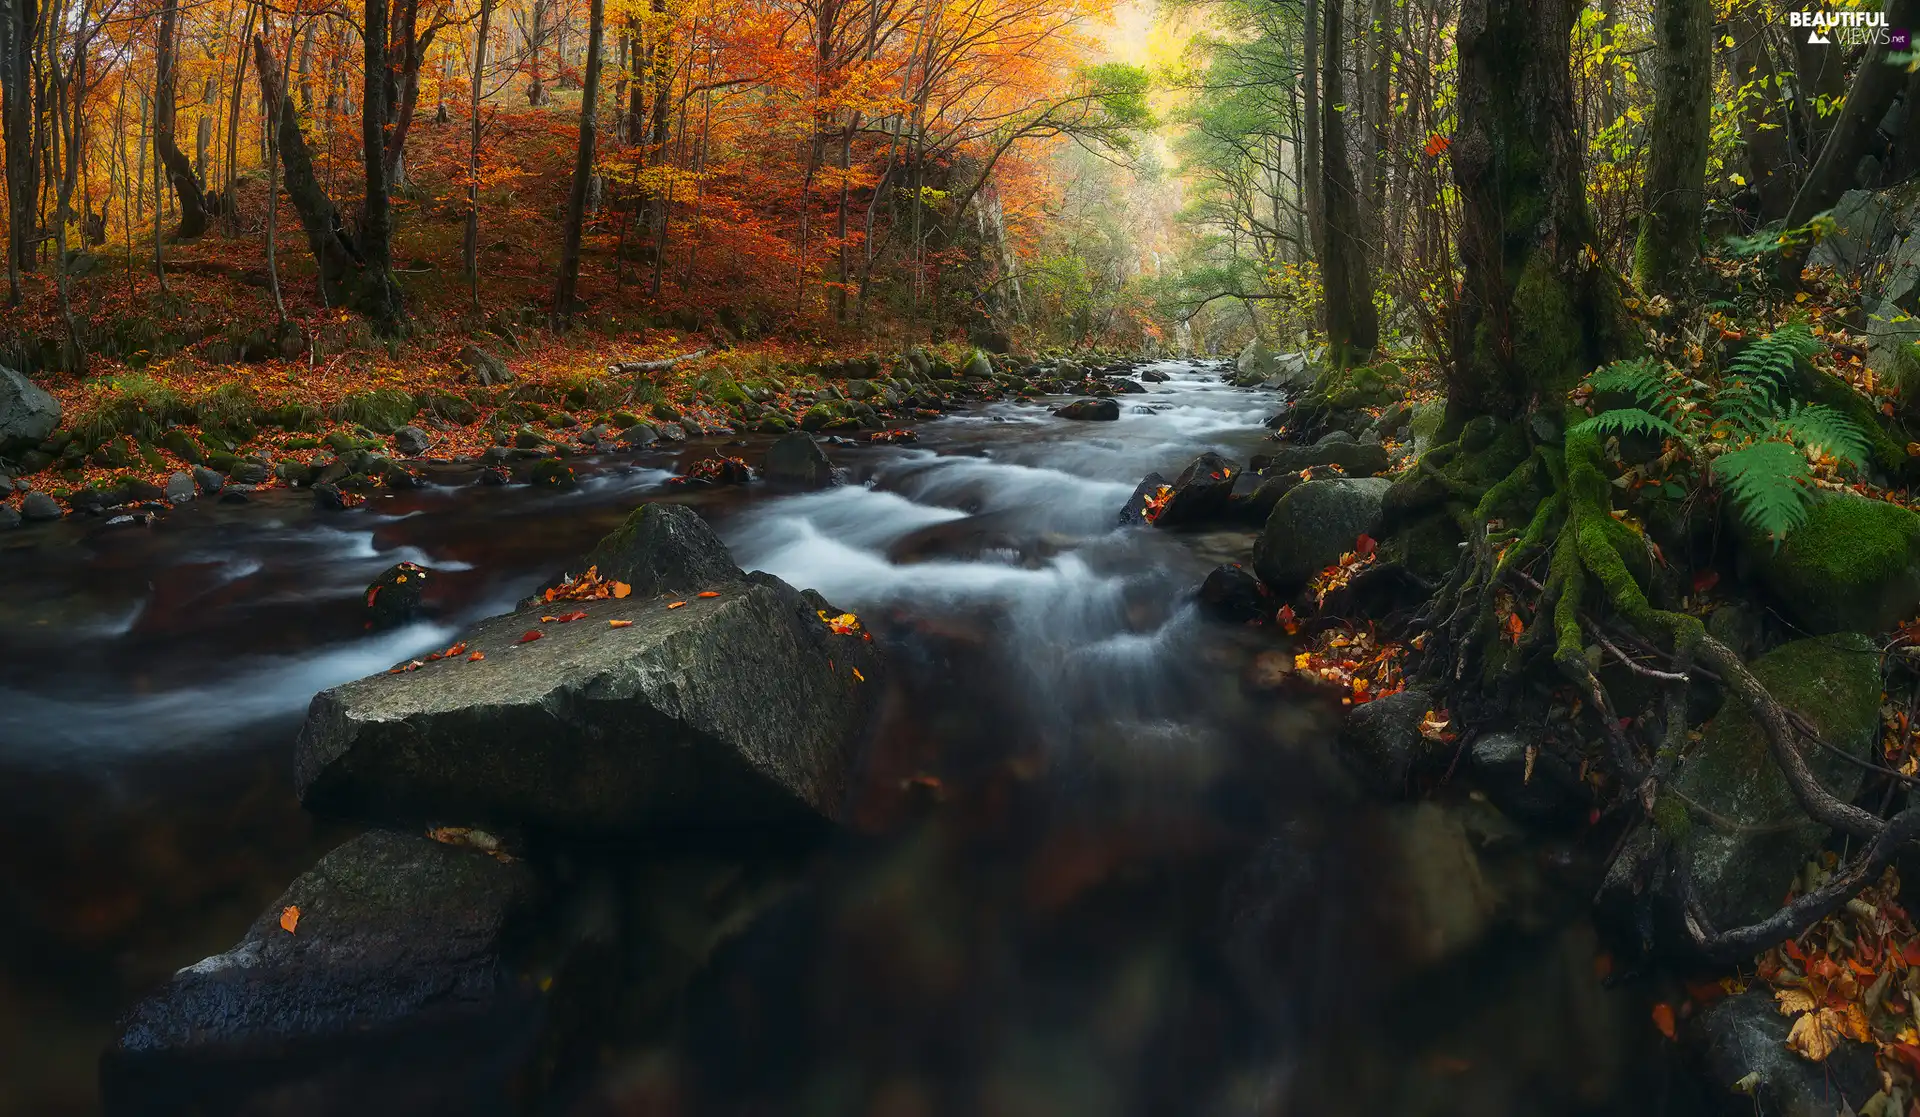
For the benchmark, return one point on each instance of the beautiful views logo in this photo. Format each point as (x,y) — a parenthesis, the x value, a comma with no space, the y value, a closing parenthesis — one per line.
(1824,27)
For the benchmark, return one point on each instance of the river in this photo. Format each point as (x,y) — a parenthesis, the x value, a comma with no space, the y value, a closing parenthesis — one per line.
(1091,870)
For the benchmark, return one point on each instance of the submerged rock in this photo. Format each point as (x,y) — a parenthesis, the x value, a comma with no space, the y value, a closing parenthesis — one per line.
(796,459)
(1232,594)
(736,710)
(1739,877)
(1356,459)
(1313,525)
(390,965)
(1380,742)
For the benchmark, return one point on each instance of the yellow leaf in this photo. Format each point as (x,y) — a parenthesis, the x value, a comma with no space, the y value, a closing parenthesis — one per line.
(290,918)
(1815,1035)
(1801,297)
(621,589)
(1794,1001)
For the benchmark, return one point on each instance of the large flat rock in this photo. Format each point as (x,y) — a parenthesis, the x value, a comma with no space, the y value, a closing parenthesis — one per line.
(740,710)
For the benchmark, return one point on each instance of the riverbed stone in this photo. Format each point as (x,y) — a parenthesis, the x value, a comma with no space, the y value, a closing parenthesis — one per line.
(9,518)
(209,481)
(1313,525)
(1232,594)
(393,598)
(1743,1040)
(390,940)
(1832,681)
(796,459)
(1201,492)
(1543,789)
(1095,410)
(40,508)
(28,413)
(1853,566)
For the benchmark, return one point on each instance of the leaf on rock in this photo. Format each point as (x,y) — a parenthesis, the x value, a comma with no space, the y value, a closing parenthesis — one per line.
(1663,1020)
(618,624)
(675,604)
(289,918)
(1815,1035)
(476,657)
(529,636)
(1794,1001)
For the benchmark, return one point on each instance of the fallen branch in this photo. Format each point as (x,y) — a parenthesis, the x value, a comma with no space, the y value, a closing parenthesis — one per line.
(634,368)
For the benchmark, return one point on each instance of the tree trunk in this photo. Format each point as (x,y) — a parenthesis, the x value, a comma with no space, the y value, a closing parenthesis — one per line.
(1310,95)
(563,289)
(19,26)
(380,294)
(470,246)
(1852,136)
(1380,110)
(1537,309)
(1353,327)
(1677,159)
(1763,123)
(186,188)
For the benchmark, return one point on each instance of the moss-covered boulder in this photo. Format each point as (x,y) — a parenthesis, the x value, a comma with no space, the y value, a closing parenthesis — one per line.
(1313,525)
(551,473)
(1740,875)
(1854,566)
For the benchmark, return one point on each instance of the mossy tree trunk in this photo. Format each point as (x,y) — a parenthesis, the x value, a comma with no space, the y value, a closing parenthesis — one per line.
(1538,309)
(1669,241)
(1763,121)
(1353,327)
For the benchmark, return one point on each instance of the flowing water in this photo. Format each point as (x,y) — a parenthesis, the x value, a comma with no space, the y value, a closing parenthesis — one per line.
(1090,871)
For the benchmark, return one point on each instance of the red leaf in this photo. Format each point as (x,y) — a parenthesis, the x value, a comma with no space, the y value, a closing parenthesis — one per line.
(529,636)
(1705,580)
(1663,1020)
(1364,545)
(576,615)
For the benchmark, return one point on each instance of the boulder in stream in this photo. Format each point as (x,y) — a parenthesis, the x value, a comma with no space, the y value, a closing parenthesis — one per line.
(796,459)
(1313,525)
(1743,1041)
(1096,409)
(390,968)
(1201,492)
(638,714)
(393,598)
(1135,511)
(1355,459)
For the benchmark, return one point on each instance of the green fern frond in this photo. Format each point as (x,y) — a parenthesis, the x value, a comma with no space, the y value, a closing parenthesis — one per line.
(1746,408)
(1630,420)
(1828,429)
(1769,362)
(1769,483)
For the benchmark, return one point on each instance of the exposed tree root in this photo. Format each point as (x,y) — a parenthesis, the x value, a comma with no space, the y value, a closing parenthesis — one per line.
(1571,522)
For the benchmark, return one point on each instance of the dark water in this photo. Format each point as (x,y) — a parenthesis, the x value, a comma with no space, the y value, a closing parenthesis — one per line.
(1090,872)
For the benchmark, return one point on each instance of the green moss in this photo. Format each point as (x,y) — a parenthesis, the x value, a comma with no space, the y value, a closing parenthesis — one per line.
(294,417)
(1826,388)
(1853,566)
(382,410)
(552,473)
(133,405)
(1546,330)
(1670,815)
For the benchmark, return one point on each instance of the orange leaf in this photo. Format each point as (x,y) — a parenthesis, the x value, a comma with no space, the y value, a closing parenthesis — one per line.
(618,624)
(456,649)
(1515,626)
(675,604)
(576,615)
(858,677)
(476,657)
(1663,1020)
(708,593)
(548,620)
(621,589)
(289,918)
(530,635)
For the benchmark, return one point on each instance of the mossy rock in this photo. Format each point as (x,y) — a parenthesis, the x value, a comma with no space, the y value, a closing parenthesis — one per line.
(381,410)
(151,457)
(1854,566)
(621,420)
(183,445)
(551,473)
(115,453)
(1427,418)
(301,444)
(1833,682)
(294,417)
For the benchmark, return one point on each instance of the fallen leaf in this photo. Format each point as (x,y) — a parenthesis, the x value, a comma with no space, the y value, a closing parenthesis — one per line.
(290,918)
(858,677)
(1794,1001)
(675,604)
(1815,1035)
(618,624)
(530,635)
(621,589)
(1663,1020)
(548,620)
(576,615)
(476,657)
(708,593)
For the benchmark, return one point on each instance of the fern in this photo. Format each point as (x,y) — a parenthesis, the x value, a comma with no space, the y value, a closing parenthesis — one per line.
(1764,472)
(1631,420)
(1819,427)
(1769,483)
(1644,380)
